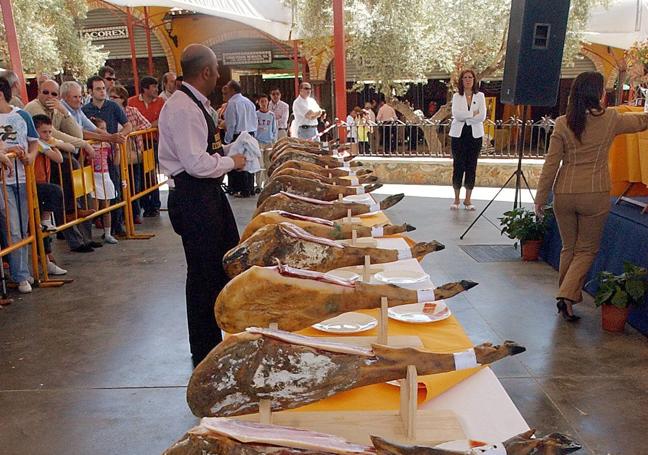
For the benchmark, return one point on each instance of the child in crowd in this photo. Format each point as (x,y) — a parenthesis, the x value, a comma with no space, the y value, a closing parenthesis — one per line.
(363,128)
(266,135)
(104,188)
(50,195)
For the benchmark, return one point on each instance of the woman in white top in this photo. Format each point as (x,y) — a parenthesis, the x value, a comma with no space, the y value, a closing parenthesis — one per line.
(466,132)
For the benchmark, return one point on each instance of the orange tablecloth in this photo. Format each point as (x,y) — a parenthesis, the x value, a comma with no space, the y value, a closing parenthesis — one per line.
(629,160)
(445,336)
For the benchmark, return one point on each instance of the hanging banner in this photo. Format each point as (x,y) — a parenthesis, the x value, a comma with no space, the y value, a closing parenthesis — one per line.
(247,58)
(105,33)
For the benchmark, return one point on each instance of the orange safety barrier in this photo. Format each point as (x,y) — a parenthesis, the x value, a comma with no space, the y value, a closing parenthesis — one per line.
(143,169)
(13,238)
(76,178)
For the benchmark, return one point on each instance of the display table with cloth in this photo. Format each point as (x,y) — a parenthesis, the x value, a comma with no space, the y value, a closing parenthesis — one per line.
(628,160)
(625,238)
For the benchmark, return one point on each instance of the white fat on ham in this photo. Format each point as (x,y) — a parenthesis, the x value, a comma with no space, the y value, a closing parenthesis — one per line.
(312,219)
(315,343)
(286,270)
(306,199)
(299,233)
(275,435)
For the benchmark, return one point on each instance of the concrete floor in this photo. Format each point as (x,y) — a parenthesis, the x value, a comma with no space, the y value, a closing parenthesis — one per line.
(100,365)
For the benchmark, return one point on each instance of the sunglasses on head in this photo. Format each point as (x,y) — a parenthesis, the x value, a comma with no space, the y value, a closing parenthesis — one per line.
(47,92)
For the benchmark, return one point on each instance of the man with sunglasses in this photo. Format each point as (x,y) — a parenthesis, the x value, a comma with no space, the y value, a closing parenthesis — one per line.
(65,127)
(107,73)
(306,111)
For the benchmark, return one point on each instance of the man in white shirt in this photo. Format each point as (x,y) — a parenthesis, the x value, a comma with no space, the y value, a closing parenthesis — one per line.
(191,152)
(240,115)
(388,131)
(281,112)
(306,111)
(168,85)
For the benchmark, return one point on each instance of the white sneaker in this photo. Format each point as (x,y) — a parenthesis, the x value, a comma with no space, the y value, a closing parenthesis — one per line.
(108,238)
(53,269)
(48,225)
(24,287)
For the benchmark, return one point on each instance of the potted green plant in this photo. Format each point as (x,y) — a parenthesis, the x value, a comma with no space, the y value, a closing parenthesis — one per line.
(617,293)
(525,226)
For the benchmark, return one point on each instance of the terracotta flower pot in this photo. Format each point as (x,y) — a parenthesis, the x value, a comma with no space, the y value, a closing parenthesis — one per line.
(531,250)
(613,318)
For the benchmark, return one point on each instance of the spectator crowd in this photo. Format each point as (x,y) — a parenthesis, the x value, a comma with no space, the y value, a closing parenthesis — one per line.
(72,125)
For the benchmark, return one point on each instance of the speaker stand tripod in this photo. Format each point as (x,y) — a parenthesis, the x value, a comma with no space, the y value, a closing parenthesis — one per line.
(519,176)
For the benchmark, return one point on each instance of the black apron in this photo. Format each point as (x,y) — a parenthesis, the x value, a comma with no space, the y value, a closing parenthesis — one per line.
(200,213)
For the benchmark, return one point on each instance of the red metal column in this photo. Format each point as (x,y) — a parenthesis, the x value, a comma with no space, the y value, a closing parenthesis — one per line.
(340,64)
(12,44)
(131,38)
(147,29)
(296,66)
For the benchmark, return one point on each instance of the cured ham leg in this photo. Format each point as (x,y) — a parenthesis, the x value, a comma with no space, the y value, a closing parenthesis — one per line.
(295,247)
(292,370)
(329,210)
(311,188)
(321,160)
(321,170)
(291,172)
(334,230)
(222,436)
(521,444)
(296,299)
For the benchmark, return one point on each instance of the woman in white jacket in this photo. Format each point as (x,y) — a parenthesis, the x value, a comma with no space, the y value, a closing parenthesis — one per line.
(466,132)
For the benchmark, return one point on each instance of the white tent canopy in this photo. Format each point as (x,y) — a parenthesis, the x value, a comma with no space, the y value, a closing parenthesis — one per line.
(269,16)
(620,25)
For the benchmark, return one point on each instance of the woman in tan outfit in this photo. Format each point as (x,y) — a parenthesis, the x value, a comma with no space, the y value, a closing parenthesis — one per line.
(576,167)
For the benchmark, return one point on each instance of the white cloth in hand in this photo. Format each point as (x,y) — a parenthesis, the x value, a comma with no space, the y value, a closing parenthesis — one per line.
(247,146)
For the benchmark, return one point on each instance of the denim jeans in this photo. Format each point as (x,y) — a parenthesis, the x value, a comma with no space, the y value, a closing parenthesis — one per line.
(18,225)
(307,133)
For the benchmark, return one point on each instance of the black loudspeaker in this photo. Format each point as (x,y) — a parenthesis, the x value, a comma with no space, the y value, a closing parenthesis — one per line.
(534,50)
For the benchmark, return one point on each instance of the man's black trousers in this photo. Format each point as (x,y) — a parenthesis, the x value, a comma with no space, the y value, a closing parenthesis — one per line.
(200,213)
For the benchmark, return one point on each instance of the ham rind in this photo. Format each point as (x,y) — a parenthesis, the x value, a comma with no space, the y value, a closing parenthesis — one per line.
(280,436)
(296,247)
(247,368)
(316,343)
(295,299)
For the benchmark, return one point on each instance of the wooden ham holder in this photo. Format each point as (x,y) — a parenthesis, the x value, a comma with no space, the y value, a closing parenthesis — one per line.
(407,425)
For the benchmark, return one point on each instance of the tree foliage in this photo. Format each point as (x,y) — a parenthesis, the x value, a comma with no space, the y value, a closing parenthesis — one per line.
(49,38)
(407,39)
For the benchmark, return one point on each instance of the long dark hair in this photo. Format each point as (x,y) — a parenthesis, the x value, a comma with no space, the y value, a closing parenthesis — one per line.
(584,97)
(460,86)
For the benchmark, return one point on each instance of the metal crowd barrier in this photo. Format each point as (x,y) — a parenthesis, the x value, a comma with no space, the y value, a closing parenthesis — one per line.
(11,240)
(502,139)
(143,169)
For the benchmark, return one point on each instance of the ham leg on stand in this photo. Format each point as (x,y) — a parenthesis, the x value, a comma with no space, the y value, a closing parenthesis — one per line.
(296,299)
(295,247)
(291,370)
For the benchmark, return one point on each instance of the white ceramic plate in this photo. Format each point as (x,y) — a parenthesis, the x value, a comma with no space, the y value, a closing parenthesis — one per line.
(399,277)
(344,274)
(420,313)
(365,242)
(361,198)
(347,323)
